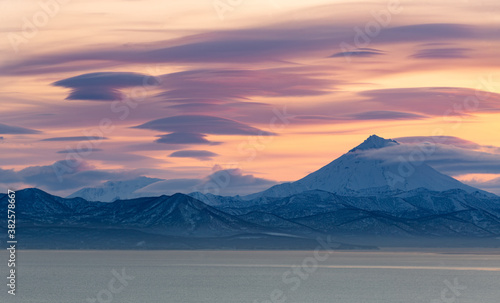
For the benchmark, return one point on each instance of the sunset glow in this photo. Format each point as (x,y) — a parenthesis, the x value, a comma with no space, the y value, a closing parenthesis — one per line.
(275,88)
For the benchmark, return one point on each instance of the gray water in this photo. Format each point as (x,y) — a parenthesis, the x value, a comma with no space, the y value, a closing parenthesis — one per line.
(254,276)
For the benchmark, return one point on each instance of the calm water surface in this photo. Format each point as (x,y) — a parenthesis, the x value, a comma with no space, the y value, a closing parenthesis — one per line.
(254,276)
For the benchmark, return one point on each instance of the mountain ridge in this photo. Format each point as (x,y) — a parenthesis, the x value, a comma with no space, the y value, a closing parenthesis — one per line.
(181,221)
(349,197)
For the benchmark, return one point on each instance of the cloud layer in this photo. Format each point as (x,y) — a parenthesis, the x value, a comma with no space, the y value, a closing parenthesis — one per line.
(449,155)
(226,182)
(103,86)
(16,130)
(202,124)
(285,41)
(185,138)
(203,155)
(77,138)
(309,78)
(62,176)
(492,186)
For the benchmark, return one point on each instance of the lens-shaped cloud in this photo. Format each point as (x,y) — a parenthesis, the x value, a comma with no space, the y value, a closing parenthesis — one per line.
(202,124)
(441,53)
(16,130)
(77,138)
(185,138)
(203,155)
(103,86)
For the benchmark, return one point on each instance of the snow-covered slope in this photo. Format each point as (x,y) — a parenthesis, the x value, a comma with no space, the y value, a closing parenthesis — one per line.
(356,173)
(177,215)
(115,190)
(420,212)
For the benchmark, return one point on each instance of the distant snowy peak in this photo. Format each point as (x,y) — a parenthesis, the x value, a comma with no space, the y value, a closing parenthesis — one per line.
(114,190)
(374,142)
(356,174)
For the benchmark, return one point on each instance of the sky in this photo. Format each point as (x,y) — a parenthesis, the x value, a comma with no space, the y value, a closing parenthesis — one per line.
(266,90)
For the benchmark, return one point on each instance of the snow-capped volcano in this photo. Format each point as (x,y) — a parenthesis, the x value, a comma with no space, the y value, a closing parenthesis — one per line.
(358,173)
(362,195)
(374,142)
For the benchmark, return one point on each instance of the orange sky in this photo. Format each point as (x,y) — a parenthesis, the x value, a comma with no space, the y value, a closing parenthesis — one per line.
(419,68)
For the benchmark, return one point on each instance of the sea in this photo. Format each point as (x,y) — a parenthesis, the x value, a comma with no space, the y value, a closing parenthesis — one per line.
(385,276)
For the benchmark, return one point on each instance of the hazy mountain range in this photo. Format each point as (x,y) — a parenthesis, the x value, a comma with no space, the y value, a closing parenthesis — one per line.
(357,198)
